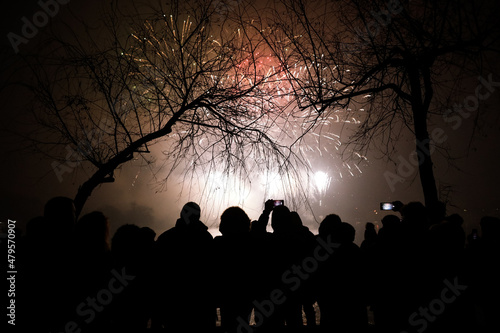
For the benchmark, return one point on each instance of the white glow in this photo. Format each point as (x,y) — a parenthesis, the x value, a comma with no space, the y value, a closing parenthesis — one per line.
(322,181)
(224,190)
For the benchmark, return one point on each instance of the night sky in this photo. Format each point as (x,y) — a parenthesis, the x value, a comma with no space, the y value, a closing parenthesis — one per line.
(28,180)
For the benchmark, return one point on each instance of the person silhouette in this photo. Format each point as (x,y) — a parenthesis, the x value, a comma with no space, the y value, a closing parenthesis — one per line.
(306,293)
(91,268)
(31,261)
(131,248)
(370,237)
(183,260)
(402,250)
(61,214)
(48,250)
(340,280)
(235,278)
(483,273)
(288,247)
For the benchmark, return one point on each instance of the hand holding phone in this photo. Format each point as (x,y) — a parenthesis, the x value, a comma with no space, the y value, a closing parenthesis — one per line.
(279,202)
(269,206)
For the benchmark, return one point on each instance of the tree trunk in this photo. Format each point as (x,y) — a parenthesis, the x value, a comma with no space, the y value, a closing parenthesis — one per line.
(105,172)
(85,190)
(421,97)
(425,165)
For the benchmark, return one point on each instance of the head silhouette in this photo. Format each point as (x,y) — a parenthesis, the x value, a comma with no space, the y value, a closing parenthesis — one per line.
(370,232)
(92,230)
(148,235)
(125,242)
(330,226)
(390,221)
(347,233)
(234,221)
(414,213)
(190,213)
(295,220)
(281,220)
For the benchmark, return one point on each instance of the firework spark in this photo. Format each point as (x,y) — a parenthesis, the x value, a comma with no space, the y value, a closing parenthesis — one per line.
(307,134)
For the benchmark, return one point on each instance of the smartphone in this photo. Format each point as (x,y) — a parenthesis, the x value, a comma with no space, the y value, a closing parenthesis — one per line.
(386,206)
(279,203)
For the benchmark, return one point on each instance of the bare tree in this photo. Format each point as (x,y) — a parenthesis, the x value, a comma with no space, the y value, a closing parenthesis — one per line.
(181,74)
(388,62)
(237,89)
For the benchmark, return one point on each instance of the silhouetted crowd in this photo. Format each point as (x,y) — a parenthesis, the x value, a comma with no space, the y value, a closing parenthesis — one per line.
(418,273)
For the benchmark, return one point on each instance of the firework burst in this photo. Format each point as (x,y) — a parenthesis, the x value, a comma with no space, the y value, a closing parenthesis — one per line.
(258,145)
